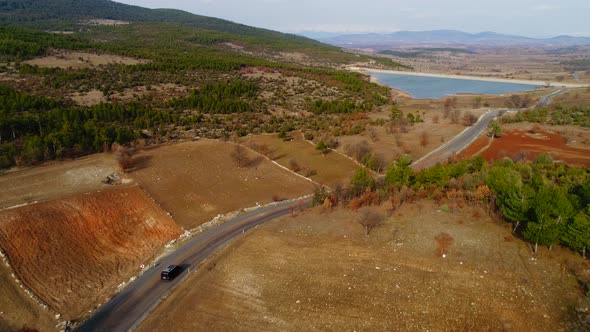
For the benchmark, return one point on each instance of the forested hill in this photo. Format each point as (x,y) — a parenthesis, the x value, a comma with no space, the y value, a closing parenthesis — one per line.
(68,14)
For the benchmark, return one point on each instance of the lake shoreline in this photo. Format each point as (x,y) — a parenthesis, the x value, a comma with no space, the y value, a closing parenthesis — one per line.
(469,78)
(402,93)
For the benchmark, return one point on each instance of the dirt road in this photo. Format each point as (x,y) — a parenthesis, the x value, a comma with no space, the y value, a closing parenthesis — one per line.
(127,309)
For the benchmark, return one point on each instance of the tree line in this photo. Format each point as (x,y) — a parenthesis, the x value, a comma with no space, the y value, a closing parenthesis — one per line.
(558,115)
(21,44)
(548,203)
(34,129)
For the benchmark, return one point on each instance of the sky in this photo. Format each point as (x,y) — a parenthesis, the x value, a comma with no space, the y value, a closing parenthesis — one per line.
(532,18)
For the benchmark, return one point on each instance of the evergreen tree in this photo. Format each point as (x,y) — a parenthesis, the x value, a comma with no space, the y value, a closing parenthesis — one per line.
(361,181)
(399,173)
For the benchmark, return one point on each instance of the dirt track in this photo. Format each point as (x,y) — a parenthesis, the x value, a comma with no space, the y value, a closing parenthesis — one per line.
(74,252)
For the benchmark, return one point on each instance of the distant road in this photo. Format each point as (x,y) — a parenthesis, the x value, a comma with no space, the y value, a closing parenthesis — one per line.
(546,100)
(127,309)
(458,143)
(461,141)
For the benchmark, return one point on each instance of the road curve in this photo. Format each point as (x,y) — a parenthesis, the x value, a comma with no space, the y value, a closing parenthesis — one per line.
(458,143)
(127,309)
(461,141)
(546,100)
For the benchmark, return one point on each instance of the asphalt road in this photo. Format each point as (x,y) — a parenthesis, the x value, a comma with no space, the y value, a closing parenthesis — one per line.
(127,309)
(461,141)
(545,100)
(458,143)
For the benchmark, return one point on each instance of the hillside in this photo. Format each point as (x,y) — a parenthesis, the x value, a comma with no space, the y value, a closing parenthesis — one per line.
(74,252)
(76,11)
(71,15)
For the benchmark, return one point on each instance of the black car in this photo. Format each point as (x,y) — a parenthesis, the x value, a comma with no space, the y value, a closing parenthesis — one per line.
(171,272)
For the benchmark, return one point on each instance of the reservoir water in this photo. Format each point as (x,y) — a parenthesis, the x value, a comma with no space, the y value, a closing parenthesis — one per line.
(423,87)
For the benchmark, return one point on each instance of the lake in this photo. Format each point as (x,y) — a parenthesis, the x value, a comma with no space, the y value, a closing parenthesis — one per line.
(424,87)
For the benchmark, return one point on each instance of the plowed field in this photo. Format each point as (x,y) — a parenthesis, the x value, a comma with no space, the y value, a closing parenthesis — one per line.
(74,252)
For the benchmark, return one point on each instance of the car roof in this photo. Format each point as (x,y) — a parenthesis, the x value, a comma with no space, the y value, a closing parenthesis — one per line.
(169,268)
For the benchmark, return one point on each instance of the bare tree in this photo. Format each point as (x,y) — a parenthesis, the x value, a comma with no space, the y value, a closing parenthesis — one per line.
(469,119)
(398,139)
(455,116)
(443,242)
(370,218)
(424,138)
(372,133)
(240,155)
(358,150)
(477,102)
(449,104)
(294,166)
(124,156)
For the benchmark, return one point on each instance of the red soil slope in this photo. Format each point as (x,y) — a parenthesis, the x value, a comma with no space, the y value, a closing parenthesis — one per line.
(74,252)
(520,144)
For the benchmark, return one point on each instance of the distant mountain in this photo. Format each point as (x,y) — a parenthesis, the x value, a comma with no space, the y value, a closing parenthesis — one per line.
(447,38)
(223,40)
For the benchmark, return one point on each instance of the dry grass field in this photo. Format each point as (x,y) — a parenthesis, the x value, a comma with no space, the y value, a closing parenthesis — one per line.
(467,102)
(74,252)
(330,169)
(79,60)
(575,97)
(391,145)
(56,180)
(422,269)
(196,181)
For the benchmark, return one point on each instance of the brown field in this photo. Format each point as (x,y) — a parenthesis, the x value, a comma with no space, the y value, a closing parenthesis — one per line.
(90,98)
(390,148)
(79,60)
(331,169)
(196,181)
(575,97)
(17,310)
(527,144)
(466,102)
(318,271)
(72,253)
(157,91)
(56,180)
